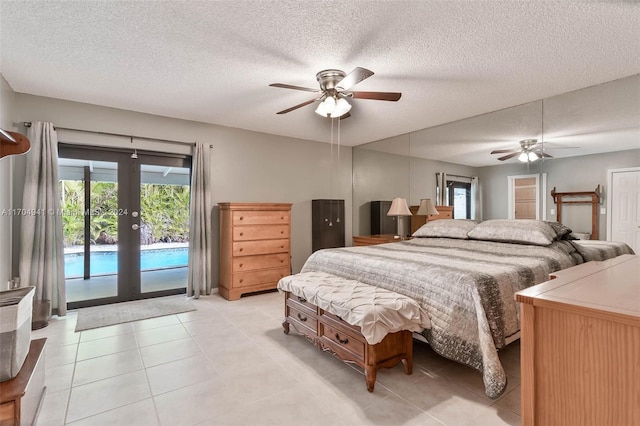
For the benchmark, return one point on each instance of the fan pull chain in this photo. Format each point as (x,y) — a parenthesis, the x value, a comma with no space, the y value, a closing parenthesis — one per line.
(331,175)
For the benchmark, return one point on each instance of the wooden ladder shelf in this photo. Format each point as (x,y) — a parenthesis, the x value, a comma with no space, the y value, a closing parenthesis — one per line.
(558,199)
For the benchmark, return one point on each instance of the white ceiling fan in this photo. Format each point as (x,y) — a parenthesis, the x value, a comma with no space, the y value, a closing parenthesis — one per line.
(530,150)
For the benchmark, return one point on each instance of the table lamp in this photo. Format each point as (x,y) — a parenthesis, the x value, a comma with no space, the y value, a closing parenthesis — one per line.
(399,208)
(426,208)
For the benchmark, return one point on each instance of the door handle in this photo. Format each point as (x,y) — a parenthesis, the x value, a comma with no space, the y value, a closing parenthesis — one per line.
(135,226)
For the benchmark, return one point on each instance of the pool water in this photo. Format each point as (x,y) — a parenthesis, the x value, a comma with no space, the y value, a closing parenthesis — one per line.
(106,262)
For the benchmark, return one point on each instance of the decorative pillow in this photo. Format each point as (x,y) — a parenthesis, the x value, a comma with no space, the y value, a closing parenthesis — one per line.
(519,231)
(446,228)
(562,232)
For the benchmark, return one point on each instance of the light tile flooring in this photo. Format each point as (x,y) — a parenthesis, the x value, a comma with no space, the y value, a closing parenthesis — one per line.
(229,363)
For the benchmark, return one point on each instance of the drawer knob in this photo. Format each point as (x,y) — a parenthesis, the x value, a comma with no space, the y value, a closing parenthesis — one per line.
(281,261)
(301,318)
(281,246)
(344,342)
(302,300)
(241,280)
(241,249)
(241,234)
(241,265)
(282,232)
(281,217)
(241,217)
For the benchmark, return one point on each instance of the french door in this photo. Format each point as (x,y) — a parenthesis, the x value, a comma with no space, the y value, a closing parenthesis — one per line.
(125,220)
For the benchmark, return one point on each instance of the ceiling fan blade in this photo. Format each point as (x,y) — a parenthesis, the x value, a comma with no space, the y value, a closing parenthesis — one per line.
(354,77)
(347,115)
(289,86)
(284,111)
(501,151)
(544,154)
(378,96)
(506,157)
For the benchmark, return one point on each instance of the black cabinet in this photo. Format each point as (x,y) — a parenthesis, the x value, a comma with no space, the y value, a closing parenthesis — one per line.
(380,222)
(327,224)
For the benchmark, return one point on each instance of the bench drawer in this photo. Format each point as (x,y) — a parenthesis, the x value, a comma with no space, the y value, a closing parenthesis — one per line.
(341,341)
(338,322)
(300,302)
(303,319)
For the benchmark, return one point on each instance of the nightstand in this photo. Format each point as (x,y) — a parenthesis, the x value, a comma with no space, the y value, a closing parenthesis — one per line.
(371,240)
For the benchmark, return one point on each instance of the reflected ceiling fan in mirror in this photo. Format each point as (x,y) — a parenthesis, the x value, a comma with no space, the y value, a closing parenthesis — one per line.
(530,151)
(334,91)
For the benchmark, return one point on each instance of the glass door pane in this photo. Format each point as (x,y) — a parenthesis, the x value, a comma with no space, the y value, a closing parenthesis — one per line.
(89,202)
(164,226)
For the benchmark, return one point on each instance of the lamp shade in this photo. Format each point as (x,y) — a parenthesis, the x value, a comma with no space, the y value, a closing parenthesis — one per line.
(342,107)
(426,208)
(399,207)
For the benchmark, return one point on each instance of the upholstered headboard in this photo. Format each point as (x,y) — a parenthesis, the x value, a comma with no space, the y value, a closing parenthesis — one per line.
(444,212)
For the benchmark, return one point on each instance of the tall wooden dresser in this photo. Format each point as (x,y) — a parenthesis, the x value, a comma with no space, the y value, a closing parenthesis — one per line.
(580,346)
(255,247)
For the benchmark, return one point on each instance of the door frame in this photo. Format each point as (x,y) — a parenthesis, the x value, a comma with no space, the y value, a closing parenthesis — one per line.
(128,242)
(610,173)
(541,195)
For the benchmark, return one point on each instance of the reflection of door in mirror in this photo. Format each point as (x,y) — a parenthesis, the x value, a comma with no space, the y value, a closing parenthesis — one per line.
(460,199)
(523,197)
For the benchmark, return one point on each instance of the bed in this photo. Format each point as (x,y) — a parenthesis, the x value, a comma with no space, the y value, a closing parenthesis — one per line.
(465,276)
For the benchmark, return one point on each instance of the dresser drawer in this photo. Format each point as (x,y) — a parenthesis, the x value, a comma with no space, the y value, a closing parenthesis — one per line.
(248,279)
(249,263)
(261,218)
(341,341)
(249,248)
(260,232)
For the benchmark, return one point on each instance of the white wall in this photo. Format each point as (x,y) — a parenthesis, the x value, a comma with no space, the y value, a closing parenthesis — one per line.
(246,166)
(6,122)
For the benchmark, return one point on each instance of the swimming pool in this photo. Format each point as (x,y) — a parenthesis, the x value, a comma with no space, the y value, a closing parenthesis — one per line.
(106,262)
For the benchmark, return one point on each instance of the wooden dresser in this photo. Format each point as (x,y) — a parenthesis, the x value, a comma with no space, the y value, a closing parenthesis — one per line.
(580,346)
(255,247)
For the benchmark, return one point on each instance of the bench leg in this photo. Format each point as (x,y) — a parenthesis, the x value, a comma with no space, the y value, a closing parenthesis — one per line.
(285,325)
(407,361)
(370,373)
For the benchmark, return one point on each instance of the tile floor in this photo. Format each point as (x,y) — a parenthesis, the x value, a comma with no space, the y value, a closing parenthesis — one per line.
(229,363)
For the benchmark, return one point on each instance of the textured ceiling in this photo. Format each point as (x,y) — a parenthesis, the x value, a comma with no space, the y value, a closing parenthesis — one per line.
(213,61)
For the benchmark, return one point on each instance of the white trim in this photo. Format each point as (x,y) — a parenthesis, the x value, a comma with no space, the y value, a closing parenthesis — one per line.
(610,173)
(544,196)
(510,206)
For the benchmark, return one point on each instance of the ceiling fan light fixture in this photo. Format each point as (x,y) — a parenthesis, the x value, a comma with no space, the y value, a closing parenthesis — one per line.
(326,107)
(524,157)
(532,156)
(342,107)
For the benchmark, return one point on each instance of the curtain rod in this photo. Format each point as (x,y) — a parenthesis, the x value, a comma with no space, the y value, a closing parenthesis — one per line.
(28,124)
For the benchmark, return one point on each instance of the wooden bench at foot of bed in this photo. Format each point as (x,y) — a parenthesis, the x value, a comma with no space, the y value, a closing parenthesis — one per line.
(329,318)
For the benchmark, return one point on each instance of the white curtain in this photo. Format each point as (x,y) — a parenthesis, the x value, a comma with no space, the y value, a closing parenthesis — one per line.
(200,233)
(41,245)
(476,203)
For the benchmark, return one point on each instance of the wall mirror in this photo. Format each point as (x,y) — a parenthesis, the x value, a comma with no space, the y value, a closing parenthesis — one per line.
(592,119)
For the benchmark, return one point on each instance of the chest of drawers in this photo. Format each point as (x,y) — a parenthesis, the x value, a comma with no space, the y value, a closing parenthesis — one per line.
(255,247)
